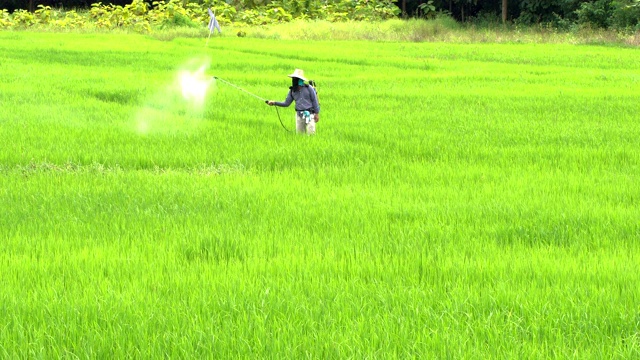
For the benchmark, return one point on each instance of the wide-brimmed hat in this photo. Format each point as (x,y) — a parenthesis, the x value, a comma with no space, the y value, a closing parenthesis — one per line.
(298,73)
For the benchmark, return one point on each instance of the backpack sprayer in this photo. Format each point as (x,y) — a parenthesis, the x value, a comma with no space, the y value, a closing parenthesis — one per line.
(312,83)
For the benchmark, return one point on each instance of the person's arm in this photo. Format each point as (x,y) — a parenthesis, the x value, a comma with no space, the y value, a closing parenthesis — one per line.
(286,102)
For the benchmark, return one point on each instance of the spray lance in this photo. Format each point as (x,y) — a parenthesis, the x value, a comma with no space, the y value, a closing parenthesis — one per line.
(254,95)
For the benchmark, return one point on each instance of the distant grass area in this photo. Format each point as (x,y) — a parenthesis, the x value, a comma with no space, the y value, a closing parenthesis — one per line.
(465,201)
(442,29)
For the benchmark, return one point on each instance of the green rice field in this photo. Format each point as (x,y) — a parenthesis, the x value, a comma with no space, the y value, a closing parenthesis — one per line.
(459,200)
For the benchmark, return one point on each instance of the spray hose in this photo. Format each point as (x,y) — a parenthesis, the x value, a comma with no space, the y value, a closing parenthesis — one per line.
(254,95)
(284,127)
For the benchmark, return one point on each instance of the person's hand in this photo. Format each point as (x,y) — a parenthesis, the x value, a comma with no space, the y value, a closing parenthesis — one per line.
(316,118)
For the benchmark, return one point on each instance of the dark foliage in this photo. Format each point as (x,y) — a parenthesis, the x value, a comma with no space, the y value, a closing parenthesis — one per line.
(619,14)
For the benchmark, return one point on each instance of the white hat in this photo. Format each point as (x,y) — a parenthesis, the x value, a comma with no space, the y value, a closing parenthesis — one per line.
(298,73)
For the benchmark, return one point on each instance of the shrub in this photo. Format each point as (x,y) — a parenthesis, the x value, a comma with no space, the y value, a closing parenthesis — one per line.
(487,20)
(626,15)
(597,13)
(5,19)
(23,18)
(546,11)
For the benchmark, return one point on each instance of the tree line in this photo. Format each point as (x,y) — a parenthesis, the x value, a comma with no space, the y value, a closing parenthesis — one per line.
(560,14)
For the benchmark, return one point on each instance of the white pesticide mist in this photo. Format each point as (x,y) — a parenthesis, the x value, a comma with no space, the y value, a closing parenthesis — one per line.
(180,105)
(194,86)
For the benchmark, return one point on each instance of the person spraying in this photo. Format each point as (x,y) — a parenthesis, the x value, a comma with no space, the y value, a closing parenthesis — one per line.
(306,99)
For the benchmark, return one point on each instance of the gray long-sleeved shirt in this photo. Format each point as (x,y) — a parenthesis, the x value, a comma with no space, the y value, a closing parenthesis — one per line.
(305,98)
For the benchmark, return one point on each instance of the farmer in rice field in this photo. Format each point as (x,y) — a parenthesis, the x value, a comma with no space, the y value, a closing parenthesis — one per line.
(307,106)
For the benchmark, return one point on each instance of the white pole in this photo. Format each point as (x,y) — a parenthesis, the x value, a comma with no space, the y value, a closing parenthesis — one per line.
(210,31)
(208,37)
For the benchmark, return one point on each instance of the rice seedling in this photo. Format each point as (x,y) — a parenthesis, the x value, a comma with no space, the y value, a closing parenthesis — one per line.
(459,200)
